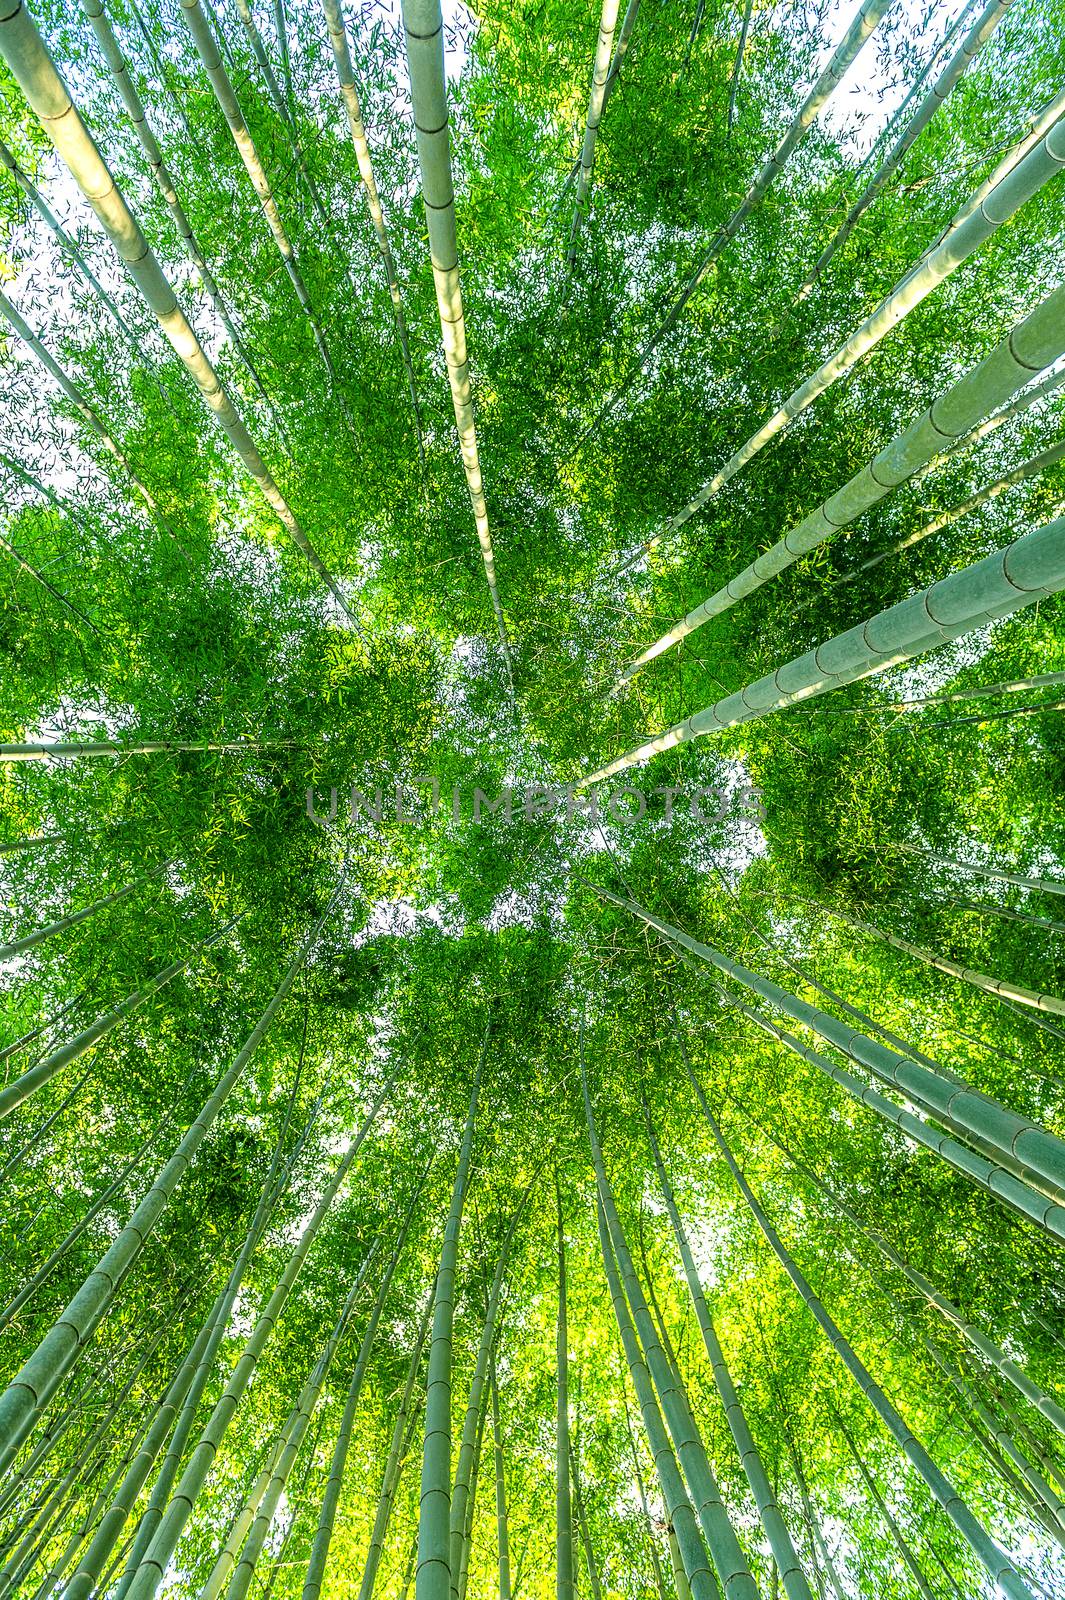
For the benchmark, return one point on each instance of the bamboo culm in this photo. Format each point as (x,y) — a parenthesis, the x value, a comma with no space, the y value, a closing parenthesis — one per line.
(40,1376)
(954,413)
(776,1531)
(433,1576)
(30,940)
(1018,575)
(596,101)
(994,1561)
(149,1574)
(423,28)
(26,55)
(564,1587)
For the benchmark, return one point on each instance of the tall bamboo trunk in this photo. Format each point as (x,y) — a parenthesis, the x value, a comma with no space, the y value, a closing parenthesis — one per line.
(433,1580)
(28,941)
(423,29)
(502,1530)
(27,56)
(596,100)
(564,1587)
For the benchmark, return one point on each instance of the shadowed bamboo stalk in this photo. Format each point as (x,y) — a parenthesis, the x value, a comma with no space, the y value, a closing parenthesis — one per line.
(1042,885)
(34,1385)
(114,56)
(1033,343)
(656,1563)
(941,1094)
(1018,575)
(982,908)
(203,37)
(277,1178)
(502,1532)
(283,109)
(995,1561)
(146,747)
(423,30)
(150,1573)
(596,101)
(393,1463)
(1027,469)
(433,1579)
(1042,163)
(979,1341)
(776,1531)
(867,19)
(681,1519)
(25,53)
(741,51)
(39,577)
(338,38)
(29,940)
(710,1508)
(975,40)
(902,1544)
(583,1526)
(20,1088)
(564,1588)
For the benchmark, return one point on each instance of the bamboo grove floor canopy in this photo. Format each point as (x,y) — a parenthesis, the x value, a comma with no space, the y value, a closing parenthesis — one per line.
(532,799)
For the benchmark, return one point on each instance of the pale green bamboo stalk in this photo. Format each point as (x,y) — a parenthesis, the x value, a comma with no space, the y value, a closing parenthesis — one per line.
(1039,680)
(979,1341)
(467,1532)
(244,1568)
(621,50)
(1041,885)
(433,1575)
(423,29)
(680,1578)
(502,1531)
(1043,162)
(971,46)
(995,1562)
(679,1514)
(741,51)
(866,20)
(338,38)
(203,37)
(656,1564)
(41,1374)
(144,747)
(564,1587)
(116,61)
(776,1530)
(955,969)
(273,89)
(718,1532)
(596,100)
(29,940)
(27,56)
(583,1527)
(85,410)
(817,1542)
(273,1187)
(20,1088)
(20,1044)
(902,1544)
(1004,911)
(926,1086)
(1016,576)
(149,1574)
(461,1492)
(38,841)
(1039,335)
(394,1462)
(1027,469)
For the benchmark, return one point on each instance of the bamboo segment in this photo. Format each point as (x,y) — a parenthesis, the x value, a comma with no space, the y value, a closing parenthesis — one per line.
(116,61)
(19,1089)
(955,969)
(940,1093)
(1027,469)
(961,407)
(1015,576)
(970,48)
(423,28)
(621,50)
(693,1559)
(596,100)
(338,38)
(393,1467)
(1042,163)
(433,1579)
(994,1561)
(776,1531)
(564,1589)
(30,1391)
(25,53)
(29,940)
(149,1574)
(273,89)
(1040,885)
(502,1532)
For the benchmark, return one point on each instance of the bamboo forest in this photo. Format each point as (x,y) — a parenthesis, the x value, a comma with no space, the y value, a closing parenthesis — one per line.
(532,799)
